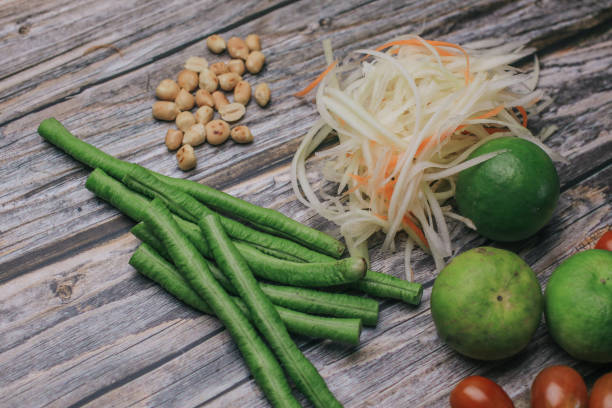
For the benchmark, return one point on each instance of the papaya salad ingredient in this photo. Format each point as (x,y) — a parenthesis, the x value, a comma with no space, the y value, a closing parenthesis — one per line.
(407,116)
(210,82)
(605,242)
(479,392)
(486,303)
(559,387)
(578,305)
(601,393)
(512,195)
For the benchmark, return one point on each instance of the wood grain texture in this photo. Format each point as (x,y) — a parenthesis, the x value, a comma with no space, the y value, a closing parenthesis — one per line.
(79,327)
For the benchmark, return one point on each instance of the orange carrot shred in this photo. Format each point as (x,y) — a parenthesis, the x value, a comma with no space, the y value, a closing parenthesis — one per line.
(489,114)
(417,230)
(359,179)
(314,83)
(523,114)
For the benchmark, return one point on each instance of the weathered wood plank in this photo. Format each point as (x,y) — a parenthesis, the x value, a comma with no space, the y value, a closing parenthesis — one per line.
(31,171)
(86,329)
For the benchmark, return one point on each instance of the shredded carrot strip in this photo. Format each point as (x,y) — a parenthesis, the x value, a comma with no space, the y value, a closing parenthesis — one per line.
(434,43)
(489,114)
(440,51)
(359,179)
(406,220)
(314,83)
(387,189)
(523,114)
(391,165)
(416,230)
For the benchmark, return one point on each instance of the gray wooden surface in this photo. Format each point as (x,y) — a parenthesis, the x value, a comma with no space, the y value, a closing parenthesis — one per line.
(79,327)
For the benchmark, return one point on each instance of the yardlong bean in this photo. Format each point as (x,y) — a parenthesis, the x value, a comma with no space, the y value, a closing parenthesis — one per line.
(306,275)
(299,299)
(267,320)
(373,283)
(264,367)
(54,132)
(151,264)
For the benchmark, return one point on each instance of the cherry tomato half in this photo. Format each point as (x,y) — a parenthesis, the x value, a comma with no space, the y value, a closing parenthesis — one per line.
(558,387)
(479,392)
(601,394)
(605,242)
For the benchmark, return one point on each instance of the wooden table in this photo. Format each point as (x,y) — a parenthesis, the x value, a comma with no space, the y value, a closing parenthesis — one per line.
(79,326)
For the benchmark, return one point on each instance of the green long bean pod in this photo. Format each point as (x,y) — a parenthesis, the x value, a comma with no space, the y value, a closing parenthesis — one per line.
(117,194)
(54,132)
(302,372)
(264,367)
(373,283)
(151,264)
(265,218)
(141,180)
(377,283)
(299,299)
(322,274)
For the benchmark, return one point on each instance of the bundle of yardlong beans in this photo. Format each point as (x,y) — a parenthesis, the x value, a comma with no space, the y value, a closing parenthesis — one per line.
(196,246)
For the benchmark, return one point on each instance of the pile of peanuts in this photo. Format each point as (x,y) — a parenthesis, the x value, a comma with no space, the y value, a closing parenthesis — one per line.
(176,99)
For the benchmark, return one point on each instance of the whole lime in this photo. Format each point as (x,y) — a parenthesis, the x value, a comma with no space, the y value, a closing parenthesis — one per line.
(511,196)
(486,303)
(578,305)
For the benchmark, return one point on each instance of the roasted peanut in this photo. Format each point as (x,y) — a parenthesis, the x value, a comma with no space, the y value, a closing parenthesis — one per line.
(228,81)
(185,120)
(232,112)
(241,134)
(218,68)
(262,94)
(215,43)
(255,62)
(167,90)
(204,114)
(242,92)
(196,64)
(253,42)
(237,48)
(236,66)
(186,158)
(184,100)
(187,80)
(174,139)
(208,80)
(204,98)
(220,99)
(164,110)
(195,135)
(217,131)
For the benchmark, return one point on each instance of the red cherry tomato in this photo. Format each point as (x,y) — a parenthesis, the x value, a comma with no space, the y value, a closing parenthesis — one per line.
(605,242)
(601,394)
(558,387)
(479,392)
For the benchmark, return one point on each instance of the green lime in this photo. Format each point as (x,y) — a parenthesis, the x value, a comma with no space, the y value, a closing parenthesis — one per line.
(486,303)
(511,196)
(579,305)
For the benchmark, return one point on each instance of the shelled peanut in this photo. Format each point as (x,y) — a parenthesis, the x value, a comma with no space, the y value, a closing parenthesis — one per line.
(202,86)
